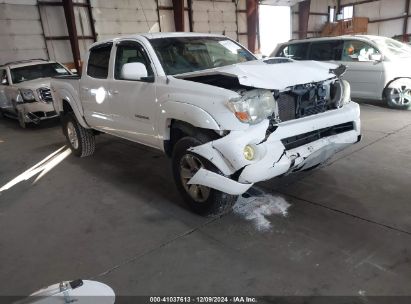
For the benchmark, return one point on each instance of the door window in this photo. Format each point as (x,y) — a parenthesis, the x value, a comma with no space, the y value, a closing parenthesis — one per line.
(326,50)
(98,61)
(295,51)
(358,51)
(3,77)
(128,52)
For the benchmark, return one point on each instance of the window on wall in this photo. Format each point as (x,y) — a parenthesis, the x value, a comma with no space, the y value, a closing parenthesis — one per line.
(331,13)
(348,12)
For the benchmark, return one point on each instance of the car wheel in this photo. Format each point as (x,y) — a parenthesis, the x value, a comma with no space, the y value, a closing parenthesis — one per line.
(20,117)
(201,199)
(80,140)
(398,94)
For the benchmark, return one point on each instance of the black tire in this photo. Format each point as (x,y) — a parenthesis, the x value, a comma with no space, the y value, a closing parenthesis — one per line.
(395,89)
(20,117)
(85,144)
(217,202)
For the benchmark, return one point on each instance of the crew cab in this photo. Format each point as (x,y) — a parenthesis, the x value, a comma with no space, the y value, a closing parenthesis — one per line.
(226,119)
(25,90)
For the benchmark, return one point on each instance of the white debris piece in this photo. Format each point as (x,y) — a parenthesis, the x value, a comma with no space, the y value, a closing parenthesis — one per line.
(258,208)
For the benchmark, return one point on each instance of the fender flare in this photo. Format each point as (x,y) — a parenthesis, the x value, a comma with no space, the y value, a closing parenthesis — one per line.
(185,112)
(65,96)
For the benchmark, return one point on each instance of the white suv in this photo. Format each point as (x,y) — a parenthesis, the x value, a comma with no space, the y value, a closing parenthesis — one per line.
(377,67)
(25,90)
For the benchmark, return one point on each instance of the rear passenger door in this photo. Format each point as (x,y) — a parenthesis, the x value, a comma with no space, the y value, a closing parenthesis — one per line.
(94,93)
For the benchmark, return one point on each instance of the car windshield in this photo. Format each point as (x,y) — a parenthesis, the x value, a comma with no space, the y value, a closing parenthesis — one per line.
(180,55)
(32,72)
(393,47)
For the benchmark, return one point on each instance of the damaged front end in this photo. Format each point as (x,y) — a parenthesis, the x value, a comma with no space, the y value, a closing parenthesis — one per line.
(289,130)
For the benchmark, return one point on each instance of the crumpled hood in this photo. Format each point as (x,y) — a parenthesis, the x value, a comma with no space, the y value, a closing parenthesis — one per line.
(276,76)
(34,84)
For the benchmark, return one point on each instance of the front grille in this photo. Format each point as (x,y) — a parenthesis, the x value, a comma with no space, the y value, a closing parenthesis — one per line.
(286,107)
(306,138)
(45,94)
(302,101)
(45,114)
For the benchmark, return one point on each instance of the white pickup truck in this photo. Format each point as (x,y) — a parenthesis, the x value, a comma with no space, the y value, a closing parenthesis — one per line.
(226,119)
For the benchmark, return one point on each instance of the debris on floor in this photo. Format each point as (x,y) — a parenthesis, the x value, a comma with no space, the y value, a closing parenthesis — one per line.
(257,208)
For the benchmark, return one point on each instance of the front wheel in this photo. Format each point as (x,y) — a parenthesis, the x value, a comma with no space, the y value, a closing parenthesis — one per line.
(201,199)
(22,121)
(80,140)
(398,94)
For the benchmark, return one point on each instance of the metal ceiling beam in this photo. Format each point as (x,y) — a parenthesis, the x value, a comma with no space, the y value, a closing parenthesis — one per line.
(178,8)
(252,20)
(72,31)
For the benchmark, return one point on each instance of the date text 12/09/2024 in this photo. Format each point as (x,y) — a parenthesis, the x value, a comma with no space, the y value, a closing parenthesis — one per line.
(200,299)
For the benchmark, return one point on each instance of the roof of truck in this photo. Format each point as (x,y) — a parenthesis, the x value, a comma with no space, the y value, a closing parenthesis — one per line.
(158,35)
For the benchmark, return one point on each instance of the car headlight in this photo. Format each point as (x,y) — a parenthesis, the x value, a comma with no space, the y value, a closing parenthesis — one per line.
(340,93)
(253,106)
(27,95)
(346,92)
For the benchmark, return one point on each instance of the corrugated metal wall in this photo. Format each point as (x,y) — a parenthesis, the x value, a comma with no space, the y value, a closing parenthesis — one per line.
(375,11)
(29,30)
(21,34)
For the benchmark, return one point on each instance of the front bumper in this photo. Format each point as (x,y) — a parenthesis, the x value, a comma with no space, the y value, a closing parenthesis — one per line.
(37,111)
(272,157)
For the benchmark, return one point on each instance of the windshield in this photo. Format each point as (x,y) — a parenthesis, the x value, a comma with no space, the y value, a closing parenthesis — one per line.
(393,47)
(180,55)
(32,72)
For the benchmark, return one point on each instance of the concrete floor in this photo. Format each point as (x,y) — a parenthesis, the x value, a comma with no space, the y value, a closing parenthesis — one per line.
(116,217)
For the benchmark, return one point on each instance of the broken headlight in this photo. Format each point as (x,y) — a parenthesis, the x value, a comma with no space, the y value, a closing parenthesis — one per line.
(340,93)
(253,106)
(27,95)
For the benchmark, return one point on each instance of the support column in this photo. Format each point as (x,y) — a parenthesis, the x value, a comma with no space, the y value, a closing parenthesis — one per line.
(72,31)
(406,16)
(252,20)
(178,8)
(303,16)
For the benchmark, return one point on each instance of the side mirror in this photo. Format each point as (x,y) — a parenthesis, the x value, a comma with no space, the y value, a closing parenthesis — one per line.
(4,81)
(376,57)
(133,71)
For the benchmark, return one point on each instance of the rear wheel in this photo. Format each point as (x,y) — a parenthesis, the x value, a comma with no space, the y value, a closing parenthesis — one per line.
(201,199)
(80,140)
(398,94)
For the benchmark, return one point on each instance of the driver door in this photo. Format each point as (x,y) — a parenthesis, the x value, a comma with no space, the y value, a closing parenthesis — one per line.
(364,74)
(4,83)
(133,101)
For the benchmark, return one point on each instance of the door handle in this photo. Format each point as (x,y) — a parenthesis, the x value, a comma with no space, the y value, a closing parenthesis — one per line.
(85,88)
(113,92)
